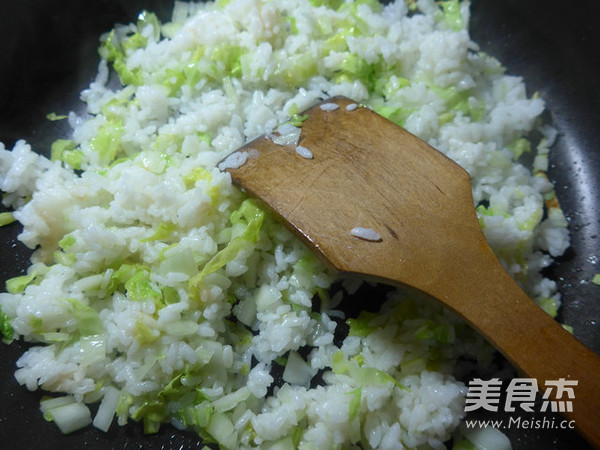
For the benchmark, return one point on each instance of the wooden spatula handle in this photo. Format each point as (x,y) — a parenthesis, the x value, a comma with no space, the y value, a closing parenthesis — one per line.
(483,293)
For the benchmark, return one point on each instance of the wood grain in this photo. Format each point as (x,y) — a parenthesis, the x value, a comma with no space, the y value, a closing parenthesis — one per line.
(368,172)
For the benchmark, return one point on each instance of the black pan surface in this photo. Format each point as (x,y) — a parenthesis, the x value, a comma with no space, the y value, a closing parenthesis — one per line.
(48,54)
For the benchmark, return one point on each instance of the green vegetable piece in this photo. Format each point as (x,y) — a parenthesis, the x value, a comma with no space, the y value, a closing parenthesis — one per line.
(143,333)
(88,319)
(107,141)
(153,413)
(65,150)
(463,444)
(6,329)
(67,242)
(139,287)
(6,218)
(65,259)
(331,4)
(396,114)
(163,232)
(17,285)
(549,305)
(250,215)
(425,331)
(297,120)
(197,174)
(292,23)
(58,148)
(354,406)
(146,18)
(135,41)
(451,15)
(355,65)
(520,146)
(114,52)
(170,295)
(360,326)
(596,279)
(54,117)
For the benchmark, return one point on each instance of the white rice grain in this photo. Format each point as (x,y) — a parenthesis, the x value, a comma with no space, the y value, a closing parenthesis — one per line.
(329,106)
(368,234)
(304,152)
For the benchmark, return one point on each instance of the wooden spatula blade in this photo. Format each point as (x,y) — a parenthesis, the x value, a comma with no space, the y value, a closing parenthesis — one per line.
(396,183)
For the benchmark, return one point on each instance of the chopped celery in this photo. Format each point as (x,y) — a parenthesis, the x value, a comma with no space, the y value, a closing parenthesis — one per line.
(66,150)
(114,52)
(332,4)
(197,174)
(92,349)
(125,402)
(139,287)
(520,146)
(444,333)
(300,68)
(306,268)
(65,259)
(55,337)
(163,232)
(6,329)
(463,444)
(354,406)
(143,332)
(134,41)
(451,15)
(362,374)
(370,375)
(360,326)
(357,67)
(596,279)
(47,403)
(88,319)
(146,18)
(107,409)
(18,284)
(396,114)
(170,295)
(66,242)
(69,417)
(533,220)
(292,24)
(252,216)
(181,328)
(107,141)
(297,120)
(153,413)
(6,218)
(549,305)
(135,278)
(53,117)
(59,146)
(221,428)
(230,401)
(297,371)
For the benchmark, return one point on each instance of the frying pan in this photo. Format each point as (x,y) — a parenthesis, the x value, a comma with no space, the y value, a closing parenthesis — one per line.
(48,54)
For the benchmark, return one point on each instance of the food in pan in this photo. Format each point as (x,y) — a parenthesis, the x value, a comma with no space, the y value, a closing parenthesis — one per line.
(159,291)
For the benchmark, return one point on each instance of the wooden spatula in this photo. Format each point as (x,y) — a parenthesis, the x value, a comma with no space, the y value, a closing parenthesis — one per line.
(411,209)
